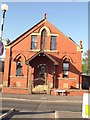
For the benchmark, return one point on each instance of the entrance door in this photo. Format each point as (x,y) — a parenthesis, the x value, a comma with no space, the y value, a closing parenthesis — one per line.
(42,74)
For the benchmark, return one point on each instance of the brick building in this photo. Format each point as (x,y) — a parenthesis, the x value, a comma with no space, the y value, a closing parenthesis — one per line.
(41,60)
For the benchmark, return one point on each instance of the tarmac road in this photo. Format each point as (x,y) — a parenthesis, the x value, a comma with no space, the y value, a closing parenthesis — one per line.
(41,106)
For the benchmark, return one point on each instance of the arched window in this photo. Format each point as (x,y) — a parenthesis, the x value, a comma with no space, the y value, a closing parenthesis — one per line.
(19,67)
(65,69)
(43,39)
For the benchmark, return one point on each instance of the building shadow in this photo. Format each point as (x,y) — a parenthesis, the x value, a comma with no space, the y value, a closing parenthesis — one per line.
(18,113)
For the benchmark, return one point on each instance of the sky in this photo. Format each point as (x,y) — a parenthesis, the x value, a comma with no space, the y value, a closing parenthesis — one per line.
(71,18)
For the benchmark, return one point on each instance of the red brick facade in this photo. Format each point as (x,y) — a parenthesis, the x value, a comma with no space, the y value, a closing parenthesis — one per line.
(43,57)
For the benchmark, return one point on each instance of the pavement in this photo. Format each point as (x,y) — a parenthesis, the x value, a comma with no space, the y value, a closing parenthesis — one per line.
(12,114)
(67,114)
(43,97)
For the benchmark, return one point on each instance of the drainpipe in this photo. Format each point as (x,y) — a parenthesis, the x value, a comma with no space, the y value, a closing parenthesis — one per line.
(27,74)
(54,76)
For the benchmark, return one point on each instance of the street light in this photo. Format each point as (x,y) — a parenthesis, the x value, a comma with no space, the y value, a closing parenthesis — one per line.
(4,8)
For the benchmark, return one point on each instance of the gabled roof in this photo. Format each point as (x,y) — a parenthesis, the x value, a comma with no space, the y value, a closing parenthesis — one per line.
(37,25)
(41,52)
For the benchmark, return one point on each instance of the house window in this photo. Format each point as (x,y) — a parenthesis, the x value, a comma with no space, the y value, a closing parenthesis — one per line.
(65,69)
(53,43)
(19,67)
(44,39)
(34,42)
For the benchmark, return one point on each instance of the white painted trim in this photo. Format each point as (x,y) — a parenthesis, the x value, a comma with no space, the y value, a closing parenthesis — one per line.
(36,50)
(18,76)
(7,47)
(48,32)
(78,49)
(51,34)
(66,78)
(54,34)
(46,28)
(50,50)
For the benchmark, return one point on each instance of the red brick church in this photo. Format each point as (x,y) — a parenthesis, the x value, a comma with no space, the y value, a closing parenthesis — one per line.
(42,60)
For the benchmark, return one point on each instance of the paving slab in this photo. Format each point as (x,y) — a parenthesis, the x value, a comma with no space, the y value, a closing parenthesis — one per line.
(33,114)
(67,114)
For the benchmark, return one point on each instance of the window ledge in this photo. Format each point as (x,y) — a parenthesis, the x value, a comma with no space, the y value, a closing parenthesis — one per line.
(34,50)
(50,50)
(18,76)
(37,50)
(66,78)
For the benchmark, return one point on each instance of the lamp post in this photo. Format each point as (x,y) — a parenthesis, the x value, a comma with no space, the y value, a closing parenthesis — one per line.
(4,8)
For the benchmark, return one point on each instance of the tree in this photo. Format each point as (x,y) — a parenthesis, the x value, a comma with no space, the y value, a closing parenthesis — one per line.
(85,65)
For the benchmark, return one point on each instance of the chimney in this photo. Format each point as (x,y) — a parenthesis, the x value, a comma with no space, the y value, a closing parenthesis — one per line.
(44,15)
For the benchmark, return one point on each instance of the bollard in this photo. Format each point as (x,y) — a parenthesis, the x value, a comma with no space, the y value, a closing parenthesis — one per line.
(86,105)
(56,115)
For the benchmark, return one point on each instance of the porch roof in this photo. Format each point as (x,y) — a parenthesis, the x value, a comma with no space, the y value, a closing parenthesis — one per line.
(41,52)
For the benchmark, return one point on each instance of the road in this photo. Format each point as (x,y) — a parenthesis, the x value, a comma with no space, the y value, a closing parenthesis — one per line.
(42,106)
(39,109)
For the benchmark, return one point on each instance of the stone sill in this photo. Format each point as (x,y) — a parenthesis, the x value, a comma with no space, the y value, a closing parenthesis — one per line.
(37,50)
(15,88)
(66,78)
(51,51)
(18,76)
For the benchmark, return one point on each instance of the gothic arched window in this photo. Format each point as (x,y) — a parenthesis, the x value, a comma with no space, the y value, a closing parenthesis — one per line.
(19,67)
(43,39)
(65,69)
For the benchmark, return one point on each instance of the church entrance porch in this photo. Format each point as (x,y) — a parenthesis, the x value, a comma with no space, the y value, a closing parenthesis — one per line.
(42,67)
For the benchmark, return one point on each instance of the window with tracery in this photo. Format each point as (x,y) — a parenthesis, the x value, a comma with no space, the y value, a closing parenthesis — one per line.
(19,67)
(65,69)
